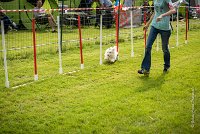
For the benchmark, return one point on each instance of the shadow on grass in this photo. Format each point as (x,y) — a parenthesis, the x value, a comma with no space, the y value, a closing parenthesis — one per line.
(108,63)
(151,82)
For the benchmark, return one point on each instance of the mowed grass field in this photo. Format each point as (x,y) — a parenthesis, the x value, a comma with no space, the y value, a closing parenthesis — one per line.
(107,98)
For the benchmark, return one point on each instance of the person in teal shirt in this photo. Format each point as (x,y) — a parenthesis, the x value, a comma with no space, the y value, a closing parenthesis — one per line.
(160,24)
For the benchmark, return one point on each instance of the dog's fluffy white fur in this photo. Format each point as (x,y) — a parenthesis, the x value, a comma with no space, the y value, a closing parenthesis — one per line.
(111,54)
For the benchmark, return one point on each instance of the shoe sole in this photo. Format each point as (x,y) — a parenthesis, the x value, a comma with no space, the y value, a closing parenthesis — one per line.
(146,73)
(166,70)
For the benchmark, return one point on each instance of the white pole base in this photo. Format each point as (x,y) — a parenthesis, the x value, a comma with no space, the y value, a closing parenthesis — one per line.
(100,62)
(132,54)
(177,44)
(60,70)
(82,66)
(186,41)
(7,84)
(35,77)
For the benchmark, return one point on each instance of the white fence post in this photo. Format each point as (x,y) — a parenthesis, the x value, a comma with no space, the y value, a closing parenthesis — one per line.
(100,40)
(4,55)
(132,50)
(177,18)
(59,46)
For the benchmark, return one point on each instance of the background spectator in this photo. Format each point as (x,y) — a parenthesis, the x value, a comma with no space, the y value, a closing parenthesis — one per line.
(42,18)
(7,22)
(107,18)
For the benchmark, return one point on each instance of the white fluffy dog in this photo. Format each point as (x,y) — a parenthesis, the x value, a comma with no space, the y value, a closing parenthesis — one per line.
(111,54)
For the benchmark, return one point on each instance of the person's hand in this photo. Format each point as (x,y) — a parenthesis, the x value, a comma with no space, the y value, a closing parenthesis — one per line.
(146,27)
(159,18)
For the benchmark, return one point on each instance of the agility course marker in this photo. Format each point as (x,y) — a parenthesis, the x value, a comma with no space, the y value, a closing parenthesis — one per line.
(117,30)
(59,46)
(80,40)
(132,50)
(76,40)
(34,50)
(193,108)
(4,55)
(100,40)
(177,29)
(186,28)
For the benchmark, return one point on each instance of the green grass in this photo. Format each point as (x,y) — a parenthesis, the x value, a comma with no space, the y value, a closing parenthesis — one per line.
(111,98)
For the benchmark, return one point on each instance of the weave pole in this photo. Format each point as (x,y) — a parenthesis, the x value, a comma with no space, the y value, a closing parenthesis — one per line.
(100,62)
(34,50)
(4,55)
(177,19)
(59,46)
(132,49)
(117,30)
(189,15)
(80,41)
(186,25)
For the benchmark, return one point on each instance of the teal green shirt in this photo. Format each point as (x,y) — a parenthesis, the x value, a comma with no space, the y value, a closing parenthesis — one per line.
(160,7)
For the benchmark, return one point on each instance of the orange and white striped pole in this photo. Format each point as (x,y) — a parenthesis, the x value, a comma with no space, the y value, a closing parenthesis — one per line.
(34,50)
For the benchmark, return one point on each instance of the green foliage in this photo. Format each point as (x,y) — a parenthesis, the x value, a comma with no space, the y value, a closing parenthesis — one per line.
(182,11)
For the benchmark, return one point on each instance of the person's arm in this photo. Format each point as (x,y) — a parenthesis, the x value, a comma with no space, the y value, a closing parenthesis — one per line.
(171,11)
(149,22)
